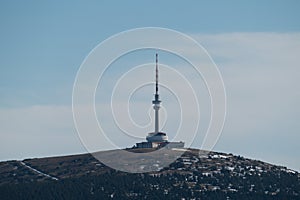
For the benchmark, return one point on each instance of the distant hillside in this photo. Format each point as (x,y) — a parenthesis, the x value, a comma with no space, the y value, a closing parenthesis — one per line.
(208,176)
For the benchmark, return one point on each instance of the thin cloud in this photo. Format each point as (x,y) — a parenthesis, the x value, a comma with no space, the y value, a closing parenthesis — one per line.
(260,71)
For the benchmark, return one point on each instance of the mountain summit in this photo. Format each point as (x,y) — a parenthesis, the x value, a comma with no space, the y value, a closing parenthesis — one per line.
(194,175)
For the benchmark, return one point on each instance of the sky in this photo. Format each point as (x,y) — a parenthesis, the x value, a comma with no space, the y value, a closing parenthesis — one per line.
(255,45)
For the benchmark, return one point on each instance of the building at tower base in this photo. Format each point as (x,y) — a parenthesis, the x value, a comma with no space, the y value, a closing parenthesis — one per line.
(158,140)
(157,145)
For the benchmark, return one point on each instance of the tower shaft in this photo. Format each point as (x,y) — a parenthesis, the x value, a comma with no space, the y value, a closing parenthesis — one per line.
(156,130)
(156,101)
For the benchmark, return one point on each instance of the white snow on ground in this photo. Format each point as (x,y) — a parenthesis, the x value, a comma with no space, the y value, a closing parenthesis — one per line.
(39,172)
(289,171)
(142,167)
(203,156)
(206,173)
(219,156)
(229,168)
(178,149)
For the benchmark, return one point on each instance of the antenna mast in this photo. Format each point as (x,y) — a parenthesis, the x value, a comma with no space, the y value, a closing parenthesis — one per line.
(156,101)
(156,77)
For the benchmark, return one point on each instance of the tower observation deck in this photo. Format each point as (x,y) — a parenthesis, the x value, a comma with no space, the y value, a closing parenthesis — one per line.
(157,139)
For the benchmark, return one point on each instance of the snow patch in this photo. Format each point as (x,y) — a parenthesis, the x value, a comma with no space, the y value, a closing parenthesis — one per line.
(178,149)
(39,172)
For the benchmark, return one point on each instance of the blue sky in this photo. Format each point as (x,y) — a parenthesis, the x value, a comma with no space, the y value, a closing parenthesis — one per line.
(39,38)
(254,43)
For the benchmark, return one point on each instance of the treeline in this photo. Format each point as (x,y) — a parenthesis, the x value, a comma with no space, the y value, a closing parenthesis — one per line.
(117,185)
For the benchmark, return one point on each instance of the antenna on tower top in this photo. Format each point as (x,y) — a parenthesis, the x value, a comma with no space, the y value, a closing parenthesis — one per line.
(156,77)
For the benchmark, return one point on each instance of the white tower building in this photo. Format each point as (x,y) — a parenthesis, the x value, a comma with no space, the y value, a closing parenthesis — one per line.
(156,136)
(157,139)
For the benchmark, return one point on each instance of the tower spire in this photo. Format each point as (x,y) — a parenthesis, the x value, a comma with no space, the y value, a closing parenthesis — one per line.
(156,101)
(156,77)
